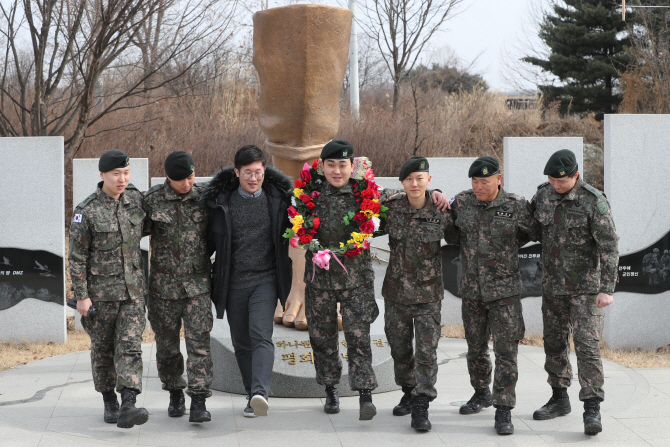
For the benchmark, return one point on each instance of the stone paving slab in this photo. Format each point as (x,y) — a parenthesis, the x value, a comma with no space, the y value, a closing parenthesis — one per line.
(52,402)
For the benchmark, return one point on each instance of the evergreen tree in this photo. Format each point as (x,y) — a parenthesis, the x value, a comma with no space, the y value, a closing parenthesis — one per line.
(586,40)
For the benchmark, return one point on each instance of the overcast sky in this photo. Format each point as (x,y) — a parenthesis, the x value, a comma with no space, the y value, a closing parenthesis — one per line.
(486,27)
(483,27)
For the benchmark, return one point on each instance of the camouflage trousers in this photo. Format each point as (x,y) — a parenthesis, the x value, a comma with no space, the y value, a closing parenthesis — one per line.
(116,344)
(359,309)
(503,320)
(580,315)
(166,318)
(402,323)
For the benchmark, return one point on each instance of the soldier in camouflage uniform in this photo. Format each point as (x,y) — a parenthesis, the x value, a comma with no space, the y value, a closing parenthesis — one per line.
(580,259)
(180,285)
(413,289)
(106,271)
(353,289)
(492,224)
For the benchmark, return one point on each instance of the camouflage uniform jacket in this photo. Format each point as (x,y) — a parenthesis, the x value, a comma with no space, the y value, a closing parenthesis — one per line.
(490,236)
(414,274)
(331,207)
(105,254)
(177,223)
(579,243)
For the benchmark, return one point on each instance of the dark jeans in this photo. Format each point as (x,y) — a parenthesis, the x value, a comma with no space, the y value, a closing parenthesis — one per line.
(250,316)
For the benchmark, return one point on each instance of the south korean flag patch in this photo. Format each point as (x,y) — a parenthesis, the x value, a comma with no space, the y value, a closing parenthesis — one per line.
(77,218)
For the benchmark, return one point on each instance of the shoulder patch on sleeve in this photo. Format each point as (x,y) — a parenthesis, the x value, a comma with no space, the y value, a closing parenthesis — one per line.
(76,218)
(603,207)
(592,190)
(87,200)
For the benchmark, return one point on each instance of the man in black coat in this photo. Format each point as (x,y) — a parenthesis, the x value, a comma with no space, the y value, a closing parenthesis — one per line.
(252,268)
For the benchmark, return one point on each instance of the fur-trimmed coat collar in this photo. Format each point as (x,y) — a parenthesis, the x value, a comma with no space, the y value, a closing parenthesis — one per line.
(225,181)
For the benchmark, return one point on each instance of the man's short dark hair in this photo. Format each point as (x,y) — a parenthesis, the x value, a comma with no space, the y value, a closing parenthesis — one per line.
(248,154)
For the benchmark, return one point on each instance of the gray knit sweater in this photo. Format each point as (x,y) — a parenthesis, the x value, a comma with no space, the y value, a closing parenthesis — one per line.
(253,258)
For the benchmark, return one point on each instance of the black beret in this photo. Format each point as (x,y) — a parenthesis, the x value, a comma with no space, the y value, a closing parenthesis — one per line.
(179,165)
(561,164)
(113,159)
(414,164)
(337,149)
(484,167)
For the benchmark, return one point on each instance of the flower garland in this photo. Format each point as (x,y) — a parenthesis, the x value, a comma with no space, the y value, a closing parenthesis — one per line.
(305,224)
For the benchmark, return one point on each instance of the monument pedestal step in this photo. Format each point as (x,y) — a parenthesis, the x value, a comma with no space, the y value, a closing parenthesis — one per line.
(293,374)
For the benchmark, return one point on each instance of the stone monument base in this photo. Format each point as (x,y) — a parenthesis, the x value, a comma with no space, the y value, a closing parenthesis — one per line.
(293,374)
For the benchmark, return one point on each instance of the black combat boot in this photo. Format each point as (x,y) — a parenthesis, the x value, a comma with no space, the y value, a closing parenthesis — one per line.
(367,408)
(332,404)
(592,424)
(420,420)
(198,411)
(177,405)
(111,407)
(480,400)
(558,405)
(503,423)
(405,406)
(129,416)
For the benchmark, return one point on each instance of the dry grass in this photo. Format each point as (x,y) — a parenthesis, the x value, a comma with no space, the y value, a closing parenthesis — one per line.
(631,358)
(15,354)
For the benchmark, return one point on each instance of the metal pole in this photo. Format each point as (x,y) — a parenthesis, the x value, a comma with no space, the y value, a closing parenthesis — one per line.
(353,64)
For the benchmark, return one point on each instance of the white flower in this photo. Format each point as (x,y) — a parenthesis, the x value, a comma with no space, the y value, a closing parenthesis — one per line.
(318,181)
(377,223)
(293,200)
(290,219)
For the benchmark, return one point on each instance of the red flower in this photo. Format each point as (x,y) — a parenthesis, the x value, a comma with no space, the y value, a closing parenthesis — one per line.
(315,194)
(310,205)
(292,212)
(304,240)
(376,207)
(367,194)
(355,185)
(299,183)
(365,245)
(306,176)
(367,227)
(360,217)
(316,222)
(305,198)
(367,204)
(301,232)
(353,252)
(312,232)
(315,164)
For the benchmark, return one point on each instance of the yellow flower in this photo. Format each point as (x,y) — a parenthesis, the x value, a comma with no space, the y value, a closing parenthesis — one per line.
(342,245)
(368,213)
(297,220)
(359,237)
(298,192)
(296,228)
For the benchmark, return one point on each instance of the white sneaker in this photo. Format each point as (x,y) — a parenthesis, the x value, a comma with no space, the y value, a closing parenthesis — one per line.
(260,405)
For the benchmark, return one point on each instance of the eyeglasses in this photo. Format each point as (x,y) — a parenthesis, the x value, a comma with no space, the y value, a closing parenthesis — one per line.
(250,175)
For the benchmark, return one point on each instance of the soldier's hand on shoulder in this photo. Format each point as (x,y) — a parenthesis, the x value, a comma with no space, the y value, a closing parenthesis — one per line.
(441,201)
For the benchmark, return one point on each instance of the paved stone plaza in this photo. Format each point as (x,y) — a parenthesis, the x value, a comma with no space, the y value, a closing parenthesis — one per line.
(51,402)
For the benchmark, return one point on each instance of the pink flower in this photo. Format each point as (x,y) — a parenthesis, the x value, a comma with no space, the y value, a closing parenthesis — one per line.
(315,194)
(294,241)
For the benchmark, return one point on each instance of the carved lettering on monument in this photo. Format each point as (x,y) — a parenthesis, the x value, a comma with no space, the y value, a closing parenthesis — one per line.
(34,274)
